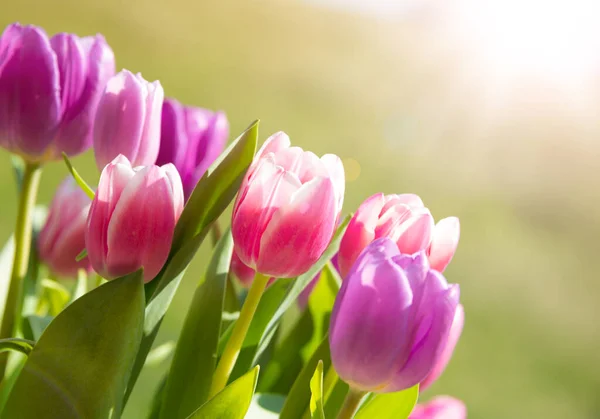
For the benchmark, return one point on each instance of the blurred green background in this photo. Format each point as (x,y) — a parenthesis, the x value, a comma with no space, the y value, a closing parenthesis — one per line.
(409,109)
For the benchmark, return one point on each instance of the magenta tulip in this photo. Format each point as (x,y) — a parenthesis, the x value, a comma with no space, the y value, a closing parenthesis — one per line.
(443,407)
(405,220)
(391,320)
(132,218)
(63,236)
(128,120)
(191,138)
(49,91)
(241,271)
(455,332)
(287,208)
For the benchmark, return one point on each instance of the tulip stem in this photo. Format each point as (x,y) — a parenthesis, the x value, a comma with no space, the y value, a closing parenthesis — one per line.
(11,318)
(240,329)
(351,404)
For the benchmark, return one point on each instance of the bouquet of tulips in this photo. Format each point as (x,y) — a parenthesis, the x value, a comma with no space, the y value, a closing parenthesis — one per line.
(302,312)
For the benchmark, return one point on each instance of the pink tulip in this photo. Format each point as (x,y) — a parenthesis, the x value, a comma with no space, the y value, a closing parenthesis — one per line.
(132,218)
(63,236)
(443,407)
(440,366)
(405,220)
(287,208)
(241,271)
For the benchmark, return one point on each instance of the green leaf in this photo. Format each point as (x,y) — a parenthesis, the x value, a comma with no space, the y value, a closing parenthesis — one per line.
(191,372)
(34,326)
(316,389)
(160,354)
(18,165)
(298,399)
(54,297)
(81,286)
(81,255)
(157,399)
(6,262)
(335,400)
(390,405)
(232,402)
(80,366)
(82,183)
(15,344)
(265,406)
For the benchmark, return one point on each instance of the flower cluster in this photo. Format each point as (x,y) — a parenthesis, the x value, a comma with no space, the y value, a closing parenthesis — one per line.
(395,321)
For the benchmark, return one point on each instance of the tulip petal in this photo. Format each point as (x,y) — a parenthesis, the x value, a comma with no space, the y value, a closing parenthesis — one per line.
(70,242)
(173,137)
(140,231)
(149,144)
(335,167)
(441,407)
(302,227)
(176,188)
(414,233)
(276,142)
(444,243)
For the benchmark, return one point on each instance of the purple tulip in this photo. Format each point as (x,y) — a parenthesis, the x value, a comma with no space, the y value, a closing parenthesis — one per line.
(49,91)
(191,138)
(128,120)
(63,236)
(391,319)
(442,407)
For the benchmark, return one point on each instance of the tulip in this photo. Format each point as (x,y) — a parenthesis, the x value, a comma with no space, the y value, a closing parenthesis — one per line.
(132,219)
(241,271)
(391,320)
(63,236)
(287,208)
(443,407)
(405,220)
(455,332)
(191,138)
(49,91)
(128,120)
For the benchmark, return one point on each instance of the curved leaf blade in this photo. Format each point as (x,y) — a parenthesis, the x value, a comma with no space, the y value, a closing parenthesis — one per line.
(390,405)
(15,344)
(316,390)
(80,366)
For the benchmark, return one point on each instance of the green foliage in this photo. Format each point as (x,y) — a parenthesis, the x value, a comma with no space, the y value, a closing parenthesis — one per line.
(15,344)
(390,405)
(316,390)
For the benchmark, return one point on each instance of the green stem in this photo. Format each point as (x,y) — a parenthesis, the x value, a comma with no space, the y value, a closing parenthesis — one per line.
(11,319)
(234,344)
(351,403)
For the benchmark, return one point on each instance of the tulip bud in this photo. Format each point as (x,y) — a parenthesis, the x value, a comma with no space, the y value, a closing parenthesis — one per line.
(287,208)
(455,332)
(128,120)
(405,220)
(191,138)
(391,320)
(443,407)
(63,236)
(132,218)
(49,91)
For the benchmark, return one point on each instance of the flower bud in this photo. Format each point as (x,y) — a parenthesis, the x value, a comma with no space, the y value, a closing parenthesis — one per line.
(455,332)
(63,236)
(191,138)
(287,208)
(391,320)
(128,120)
(132,218)
(405,220)
(49,91)
(443,407)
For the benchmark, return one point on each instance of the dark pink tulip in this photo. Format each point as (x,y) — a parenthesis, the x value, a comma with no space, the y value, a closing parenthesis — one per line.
(391,320)
(405,220)
(63,236)
(49,91)
(191,138)
(287,208)
(128,120)
(241,271)
(455,332)
(132,218)
(443,407)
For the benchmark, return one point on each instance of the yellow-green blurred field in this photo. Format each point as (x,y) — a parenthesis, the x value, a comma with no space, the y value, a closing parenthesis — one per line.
(407,113)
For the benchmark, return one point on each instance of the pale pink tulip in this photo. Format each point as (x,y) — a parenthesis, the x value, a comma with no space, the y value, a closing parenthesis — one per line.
(442,407)
(132,218)
(287,208)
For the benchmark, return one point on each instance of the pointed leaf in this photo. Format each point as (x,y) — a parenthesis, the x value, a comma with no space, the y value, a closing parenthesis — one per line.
(316,390)
(78,179)
(15,344)
(232,402)
(190,376)
(160,354)
(390,405)
(80,366)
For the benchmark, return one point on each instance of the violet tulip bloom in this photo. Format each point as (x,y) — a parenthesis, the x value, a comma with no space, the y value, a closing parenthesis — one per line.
(405,220)
(49,91)
(287,208)
(63,236)
(455,332)
(442,407)
(391,320)
(132,218)
(128,120)
(191,138)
